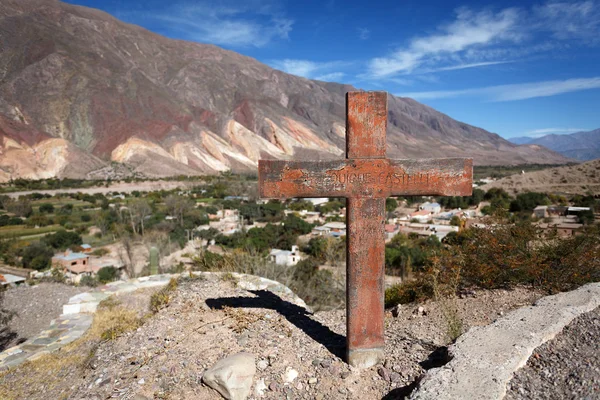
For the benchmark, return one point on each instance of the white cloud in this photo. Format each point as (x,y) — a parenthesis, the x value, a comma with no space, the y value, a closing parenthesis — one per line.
(251,23)
(546,131)
(512,92)
(484,38)
(364,33)
(472,65)
(468,30)
(331,77)
(311,69)
(568,20)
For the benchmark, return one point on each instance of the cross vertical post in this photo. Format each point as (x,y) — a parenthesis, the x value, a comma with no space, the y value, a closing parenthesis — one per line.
(366,125)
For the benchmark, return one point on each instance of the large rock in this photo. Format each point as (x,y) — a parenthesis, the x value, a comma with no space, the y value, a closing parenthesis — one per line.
(232,376)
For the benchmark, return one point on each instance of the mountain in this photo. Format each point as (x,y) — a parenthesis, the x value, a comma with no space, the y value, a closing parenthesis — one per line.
(581,179)
(580,145)
(83,94)
(521,140)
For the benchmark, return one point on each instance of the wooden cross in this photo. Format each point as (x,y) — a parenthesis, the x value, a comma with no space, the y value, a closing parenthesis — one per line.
(366,178)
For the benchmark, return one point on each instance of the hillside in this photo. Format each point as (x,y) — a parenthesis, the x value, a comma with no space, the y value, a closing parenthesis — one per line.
(80,90)
(573,179)
(580,145)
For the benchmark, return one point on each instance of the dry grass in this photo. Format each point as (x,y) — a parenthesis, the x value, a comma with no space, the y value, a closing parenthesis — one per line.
(241,319)
(49,371)
(161,299)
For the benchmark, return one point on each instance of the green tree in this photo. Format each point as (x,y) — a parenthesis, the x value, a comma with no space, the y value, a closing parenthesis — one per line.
(455,220)
(108,274)
(37,256)
(21,207)
(46,208)
(62,240)
(391,204)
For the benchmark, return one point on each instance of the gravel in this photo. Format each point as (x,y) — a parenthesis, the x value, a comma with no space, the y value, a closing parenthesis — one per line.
(567,367)
(35,306)
(209,319)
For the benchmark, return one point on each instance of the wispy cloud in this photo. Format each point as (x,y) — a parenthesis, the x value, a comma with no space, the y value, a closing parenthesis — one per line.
(364,33)
(468,30)
(471,65)
(546,131)
(311,69)
(331,77)
(484,38)
(513,92)
(566,20)
(253,23)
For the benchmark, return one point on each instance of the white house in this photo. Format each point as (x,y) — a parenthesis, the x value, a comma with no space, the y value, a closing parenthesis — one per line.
(318,200)
(433,208)
(285,257)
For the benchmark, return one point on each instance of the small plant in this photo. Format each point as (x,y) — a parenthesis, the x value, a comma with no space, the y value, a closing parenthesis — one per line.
(88,280)
(161,299)
(228,277)
(242,320)
(100,252)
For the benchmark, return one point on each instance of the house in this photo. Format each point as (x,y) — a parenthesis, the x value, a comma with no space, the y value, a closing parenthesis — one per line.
(73,265)
(318,200)
(540,212)
(563,230)
(320,231)
(421,216)
(433,208)
(335,229)
(285,257)
(11,280)
(391,230)
(86,248)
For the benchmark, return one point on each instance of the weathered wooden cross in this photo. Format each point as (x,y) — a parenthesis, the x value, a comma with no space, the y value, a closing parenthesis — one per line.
(366,178)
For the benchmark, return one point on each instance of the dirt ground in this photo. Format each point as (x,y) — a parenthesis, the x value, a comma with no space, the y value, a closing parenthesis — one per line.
(209,319)
(35,307)
(574,179)
(567,367)
(124,187)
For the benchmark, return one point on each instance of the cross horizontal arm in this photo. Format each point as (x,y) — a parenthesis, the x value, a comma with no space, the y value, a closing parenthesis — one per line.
(365,178)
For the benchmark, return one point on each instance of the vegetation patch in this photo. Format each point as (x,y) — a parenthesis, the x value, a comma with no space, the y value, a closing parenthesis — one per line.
(161,299)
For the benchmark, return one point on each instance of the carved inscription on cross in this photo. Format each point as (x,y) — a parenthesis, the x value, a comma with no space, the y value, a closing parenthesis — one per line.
(366,178)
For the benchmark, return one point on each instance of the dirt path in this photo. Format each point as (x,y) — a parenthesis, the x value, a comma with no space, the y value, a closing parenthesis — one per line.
(35,306)
(117,187)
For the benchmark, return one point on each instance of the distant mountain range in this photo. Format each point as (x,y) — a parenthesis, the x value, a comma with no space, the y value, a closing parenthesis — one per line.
(85,95)
(580,145)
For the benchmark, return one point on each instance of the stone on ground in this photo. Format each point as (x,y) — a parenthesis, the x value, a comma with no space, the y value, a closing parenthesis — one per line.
(232,376)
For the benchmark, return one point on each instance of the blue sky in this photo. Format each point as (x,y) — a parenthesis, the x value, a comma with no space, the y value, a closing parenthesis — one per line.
(516,68)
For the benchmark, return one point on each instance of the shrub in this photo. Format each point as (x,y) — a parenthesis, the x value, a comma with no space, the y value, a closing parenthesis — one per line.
(37,256)
(100,252)
(108,274)
(62,240)
(86,217)
(46,208)
(88,280)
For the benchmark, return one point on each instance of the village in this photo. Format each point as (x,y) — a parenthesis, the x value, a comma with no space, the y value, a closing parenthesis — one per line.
(109,242)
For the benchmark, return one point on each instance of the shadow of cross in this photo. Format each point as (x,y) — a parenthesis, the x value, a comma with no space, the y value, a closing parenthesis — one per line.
(366,178)
(298,316)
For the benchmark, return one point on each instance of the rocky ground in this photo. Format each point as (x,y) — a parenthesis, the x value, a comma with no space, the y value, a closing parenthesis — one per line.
(567,367)
(35,306)
(297,354)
